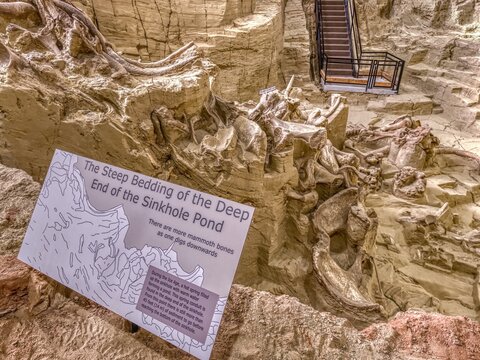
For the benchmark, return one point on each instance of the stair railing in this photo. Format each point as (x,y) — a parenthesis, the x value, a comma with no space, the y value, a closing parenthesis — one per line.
(353,33)
(374,69)
(320,33)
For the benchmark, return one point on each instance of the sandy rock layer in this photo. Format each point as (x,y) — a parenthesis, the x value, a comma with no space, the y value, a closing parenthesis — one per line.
(256,325)
(244,38)
(18,193)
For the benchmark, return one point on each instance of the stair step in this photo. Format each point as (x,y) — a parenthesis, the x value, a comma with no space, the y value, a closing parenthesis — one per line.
(338,59)
(335,36)
(334,21)
(341,57)
(337,31)
(342,47)
(335,28)
(329,42)
(334,24)
(336,41)
(336,66)
(339,72)
(333,12)
(342,42)
(330,23)
(337,16)
(336,8)
(339,47)
(333,7)
(339,54)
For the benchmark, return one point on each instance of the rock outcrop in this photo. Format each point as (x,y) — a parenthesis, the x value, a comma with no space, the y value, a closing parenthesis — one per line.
(439,41)
(255,325)
(261,43)
(243,38)
(18,194)
(366,222)
(296,47)
(164,118)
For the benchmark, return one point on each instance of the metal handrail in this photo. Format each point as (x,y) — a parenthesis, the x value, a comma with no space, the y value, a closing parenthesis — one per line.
(395,58)
(382,61)
(320,32)
(379,63)
(354,31)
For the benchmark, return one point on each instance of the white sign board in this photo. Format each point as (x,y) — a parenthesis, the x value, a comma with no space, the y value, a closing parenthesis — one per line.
(161,255)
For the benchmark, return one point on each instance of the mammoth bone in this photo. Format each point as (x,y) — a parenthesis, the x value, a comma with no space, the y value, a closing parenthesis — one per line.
(405,142)
(17,9)
(340,215)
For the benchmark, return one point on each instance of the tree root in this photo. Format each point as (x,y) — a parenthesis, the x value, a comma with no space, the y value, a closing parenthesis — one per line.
(61,19)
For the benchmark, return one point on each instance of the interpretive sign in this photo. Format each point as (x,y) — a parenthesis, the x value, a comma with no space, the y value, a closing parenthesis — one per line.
(161,255)
(184,306)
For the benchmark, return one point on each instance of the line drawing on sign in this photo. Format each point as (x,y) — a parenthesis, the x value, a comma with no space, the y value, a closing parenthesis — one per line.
(97,263)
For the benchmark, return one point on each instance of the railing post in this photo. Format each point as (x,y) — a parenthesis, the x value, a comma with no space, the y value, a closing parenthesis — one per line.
(385,61)
(402,65)
(369,77)
(394,77)
(326,69)
(355,18)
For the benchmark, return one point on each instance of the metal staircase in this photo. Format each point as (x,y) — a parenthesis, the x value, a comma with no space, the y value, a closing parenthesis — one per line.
(343,63)
(335,35)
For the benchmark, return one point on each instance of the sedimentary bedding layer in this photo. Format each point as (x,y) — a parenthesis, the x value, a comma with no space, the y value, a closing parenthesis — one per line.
(364,220)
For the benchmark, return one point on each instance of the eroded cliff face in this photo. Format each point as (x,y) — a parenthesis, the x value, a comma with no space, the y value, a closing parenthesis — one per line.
(384,16)
(296,47)
(243,38)
(258,44)
(439,41)
(153,29)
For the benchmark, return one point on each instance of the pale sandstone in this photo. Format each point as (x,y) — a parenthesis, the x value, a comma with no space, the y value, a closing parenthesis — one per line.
(439,41)
(361,264)
(109,114)
(243,38)
(296,48)
(411,104)
(18,193)
(256,324)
